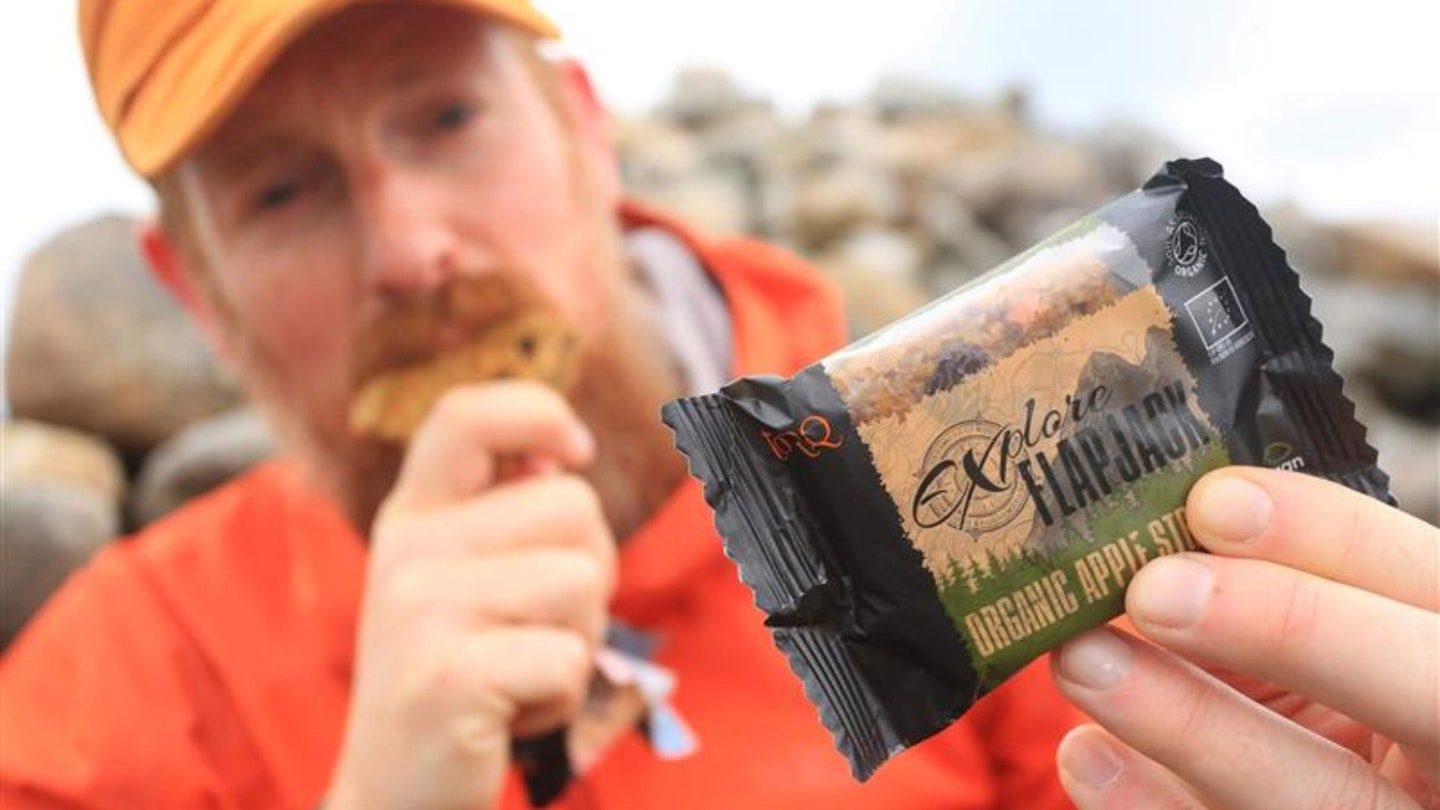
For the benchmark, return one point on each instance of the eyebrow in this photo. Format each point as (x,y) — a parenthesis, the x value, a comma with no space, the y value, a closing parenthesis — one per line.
(236,161)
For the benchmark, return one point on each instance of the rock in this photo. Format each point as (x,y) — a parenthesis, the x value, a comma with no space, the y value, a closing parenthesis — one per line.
(961,241)
(1309,245)
(654,153)
(701,96)
(35,453)
(896,98)
(877,270)
(1387,253)
(1406,378)
(1011,188)
(47,530)
(1127,153)
(830,204)
(1409,453)
(198,459)
(712,201)
(922,146)
(1386,336)
(833,137)
(746,135)
(99,346)
(885,252)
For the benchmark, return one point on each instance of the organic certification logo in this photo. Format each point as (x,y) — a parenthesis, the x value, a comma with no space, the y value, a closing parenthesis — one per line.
(1186,245)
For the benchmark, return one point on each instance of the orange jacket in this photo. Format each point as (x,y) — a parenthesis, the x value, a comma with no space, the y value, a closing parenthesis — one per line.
(207,661)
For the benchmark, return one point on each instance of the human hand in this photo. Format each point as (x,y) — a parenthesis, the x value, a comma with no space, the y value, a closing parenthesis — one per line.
(484,604)
(1315,622)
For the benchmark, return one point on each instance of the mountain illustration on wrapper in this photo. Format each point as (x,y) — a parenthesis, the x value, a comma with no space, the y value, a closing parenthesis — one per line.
(965,582)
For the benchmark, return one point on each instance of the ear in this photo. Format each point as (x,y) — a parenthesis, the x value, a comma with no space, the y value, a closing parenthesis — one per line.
(592,124)
(174,272)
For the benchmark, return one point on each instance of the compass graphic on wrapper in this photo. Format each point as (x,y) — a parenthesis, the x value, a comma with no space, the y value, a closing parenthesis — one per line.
(967,482)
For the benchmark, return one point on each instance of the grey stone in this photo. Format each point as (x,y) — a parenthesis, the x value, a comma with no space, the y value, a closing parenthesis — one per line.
(1389,334)
(714,202)
(198,459)
(96,344)
(877,271)
(47,531)
(1127,153)
(959,236)
(36,453)
(1409,452)
(830,204)
(701,96)
(746,135)
(1388,253)
(654,153)
(1308,244)
(896,97)
(832,137)
(1013,187)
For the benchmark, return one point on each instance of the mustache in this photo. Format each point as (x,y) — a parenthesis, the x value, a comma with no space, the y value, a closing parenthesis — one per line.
(413,329)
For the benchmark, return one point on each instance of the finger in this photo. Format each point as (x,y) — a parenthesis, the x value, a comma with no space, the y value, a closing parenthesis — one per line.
(1371,658)
(453,455)
(472,694)
(1318,526)
(557,511)
(541,675)
(560,588)
(1232,751)
(1102,773)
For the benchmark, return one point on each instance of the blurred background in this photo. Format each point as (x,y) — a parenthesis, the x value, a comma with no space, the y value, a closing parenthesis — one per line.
(904,146)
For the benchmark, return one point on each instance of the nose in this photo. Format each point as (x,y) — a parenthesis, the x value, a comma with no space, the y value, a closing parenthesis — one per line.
(409,245)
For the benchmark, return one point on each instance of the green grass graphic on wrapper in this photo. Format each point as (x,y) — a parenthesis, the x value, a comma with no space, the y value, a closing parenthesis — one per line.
(1129,509)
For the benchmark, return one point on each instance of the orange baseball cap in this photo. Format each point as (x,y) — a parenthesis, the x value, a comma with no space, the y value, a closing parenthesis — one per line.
(166,72)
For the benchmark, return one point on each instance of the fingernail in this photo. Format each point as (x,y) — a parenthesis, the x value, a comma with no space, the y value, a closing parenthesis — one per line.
(1171,592)
(1091,760)
(1095,660)
(1230,510)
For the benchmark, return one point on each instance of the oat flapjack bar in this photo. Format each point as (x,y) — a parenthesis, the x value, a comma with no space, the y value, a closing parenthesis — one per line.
(929,509)
(531,344)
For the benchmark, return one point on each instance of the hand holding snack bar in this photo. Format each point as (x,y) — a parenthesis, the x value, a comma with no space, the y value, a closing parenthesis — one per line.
(485,605)
(1317,608)
(926,511)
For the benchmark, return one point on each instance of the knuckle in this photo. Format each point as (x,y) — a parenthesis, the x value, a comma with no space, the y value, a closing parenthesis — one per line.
(476,735)
(1356,540)
(577,501)
(1196,714)
(434,673)
(573,660)
(582,579)
(1298,613)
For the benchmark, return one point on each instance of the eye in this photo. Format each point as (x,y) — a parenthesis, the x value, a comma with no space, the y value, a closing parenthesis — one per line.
(455,115)
(277,195)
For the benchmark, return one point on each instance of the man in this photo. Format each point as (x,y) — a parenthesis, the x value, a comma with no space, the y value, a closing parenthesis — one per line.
(370,631)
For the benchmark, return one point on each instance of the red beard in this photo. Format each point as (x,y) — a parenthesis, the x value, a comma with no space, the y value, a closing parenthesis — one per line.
(625,374)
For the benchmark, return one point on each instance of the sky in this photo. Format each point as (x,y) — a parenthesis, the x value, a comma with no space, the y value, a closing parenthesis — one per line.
(1335,106)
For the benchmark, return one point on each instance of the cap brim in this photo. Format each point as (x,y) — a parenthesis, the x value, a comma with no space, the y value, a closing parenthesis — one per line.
(209,70)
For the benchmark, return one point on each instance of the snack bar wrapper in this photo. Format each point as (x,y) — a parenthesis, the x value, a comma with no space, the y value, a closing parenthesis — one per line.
(929,509)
